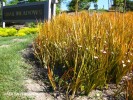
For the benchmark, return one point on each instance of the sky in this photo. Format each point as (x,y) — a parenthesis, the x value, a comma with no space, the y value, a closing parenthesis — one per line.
(101,4)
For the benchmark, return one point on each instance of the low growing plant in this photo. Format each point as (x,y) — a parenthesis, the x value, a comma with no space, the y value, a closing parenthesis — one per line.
(13,32)
(26,30)
(7,31)
(85,51)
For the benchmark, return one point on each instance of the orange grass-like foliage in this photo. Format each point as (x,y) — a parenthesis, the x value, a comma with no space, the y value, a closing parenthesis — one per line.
(86,51)
(129,89)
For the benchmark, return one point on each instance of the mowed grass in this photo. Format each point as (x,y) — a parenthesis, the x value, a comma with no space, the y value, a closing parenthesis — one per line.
(13,69)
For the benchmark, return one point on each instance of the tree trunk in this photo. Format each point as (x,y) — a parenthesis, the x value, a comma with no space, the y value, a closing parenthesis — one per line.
(114,4)
(76,6)
(124,5)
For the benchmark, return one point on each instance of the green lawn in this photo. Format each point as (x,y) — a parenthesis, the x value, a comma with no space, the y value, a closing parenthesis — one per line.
(13,69)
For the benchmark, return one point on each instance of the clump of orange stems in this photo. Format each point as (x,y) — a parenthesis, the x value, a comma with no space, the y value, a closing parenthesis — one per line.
(129,89)
(86,51)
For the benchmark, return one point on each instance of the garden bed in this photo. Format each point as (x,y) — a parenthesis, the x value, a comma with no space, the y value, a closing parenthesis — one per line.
(86,51)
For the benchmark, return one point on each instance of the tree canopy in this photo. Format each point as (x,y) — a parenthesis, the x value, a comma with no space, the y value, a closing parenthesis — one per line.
(125,4)
(129,5)
(118,2)
(81,4)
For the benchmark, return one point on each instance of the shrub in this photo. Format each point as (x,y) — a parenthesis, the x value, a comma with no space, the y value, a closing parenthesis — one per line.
(11,31)
(21,32)
(26,31)
(31,24)
(7,31)
(2,32)
(82,52)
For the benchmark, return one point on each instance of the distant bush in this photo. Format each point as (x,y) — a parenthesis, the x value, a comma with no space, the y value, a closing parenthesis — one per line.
(82,52)
(7,31)
(14,32)
(31,24)
(10,31)
(26,31)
